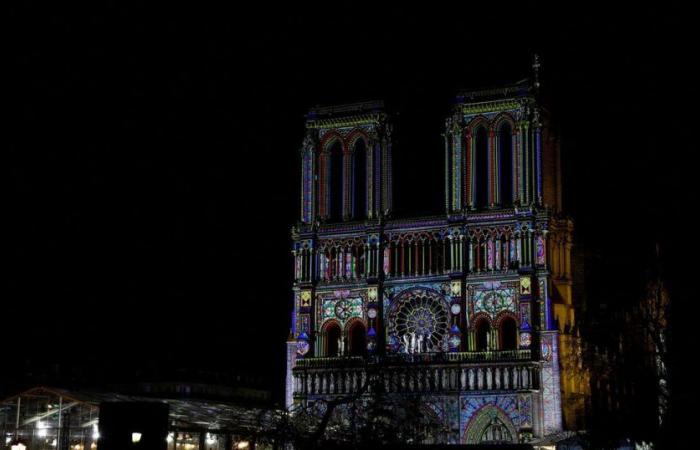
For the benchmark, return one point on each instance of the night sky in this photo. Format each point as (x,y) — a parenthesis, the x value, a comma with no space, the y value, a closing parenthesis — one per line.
(153,161)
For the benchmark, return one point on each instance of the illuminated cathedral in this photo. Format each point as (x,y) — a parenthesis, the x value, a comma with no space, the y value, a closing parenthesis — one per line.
(469,311)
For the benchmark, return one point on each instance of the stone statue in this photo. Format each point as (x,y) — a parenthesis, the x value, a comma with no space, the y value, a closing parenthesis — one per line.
(406,343)
(420,343)
(413,342)
(341,346)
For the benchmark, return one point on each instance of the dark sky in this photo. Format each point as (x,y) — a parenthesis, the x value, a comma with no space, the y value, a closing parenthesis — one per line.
(153,158)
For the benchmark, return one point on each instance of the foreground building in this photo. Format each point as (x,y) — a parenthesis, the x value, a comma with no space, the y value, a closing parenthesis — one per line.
(469,313)
(44,418)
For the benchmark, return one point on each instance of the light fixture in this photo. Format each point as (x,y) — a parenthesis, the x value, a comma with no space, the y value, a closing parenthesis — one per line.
(95,432)
(18,445)
(41,426)
(135,437)
(241,445)
(210,439)
(169,439)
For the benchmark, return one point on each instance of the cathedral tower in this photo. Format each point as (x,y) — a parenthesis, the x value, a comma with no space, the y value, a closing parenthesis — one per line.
(346,157)
(461,312)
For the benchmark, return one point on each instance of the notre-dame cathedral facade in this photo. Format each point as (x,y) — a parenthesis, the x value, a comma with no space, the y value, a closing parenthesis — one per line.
(468,311)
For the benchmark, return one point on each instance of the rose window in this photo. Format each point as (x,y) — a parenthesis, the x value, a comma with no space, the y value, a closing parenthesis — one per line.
(422,315)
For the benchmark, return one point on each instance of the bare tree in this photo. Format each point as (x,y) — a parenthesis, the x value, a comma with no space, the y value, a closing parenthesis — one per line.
(368,416)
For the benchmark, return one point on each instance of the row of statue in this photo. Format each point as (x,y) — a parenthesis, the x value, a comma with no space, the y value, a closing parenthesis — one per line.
(417,343)
(412,343)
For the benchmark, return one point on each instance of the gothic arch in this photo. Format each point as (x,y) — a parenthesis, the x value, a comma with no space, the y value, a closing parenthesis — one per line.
(357,145)
(482,152)
(329,139)
(483,330)
(356,336)
(329,342)
(480,316)
(500,119)
(351,322)
(475,123)
(504,154)
(352,138)
(468,168)
(329,323)
(503,315)
(490,425)
(507,325)
(333,179)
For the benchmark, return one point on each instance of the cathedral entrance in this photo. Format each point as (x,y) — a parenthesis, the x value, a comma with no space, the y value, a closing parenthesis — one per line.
(490,426)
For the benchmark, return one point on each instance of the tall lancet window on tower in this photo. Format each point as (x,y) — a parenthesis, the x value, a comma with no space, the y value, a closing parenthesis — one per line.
(359,199)
(335,184)
(481,148)
(505,166)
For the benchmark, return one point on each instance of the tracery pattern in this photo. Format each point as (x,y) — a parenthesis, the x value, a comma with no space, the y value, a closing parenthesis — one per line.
(341,309)
(420,313)
(477,411)
(494,301)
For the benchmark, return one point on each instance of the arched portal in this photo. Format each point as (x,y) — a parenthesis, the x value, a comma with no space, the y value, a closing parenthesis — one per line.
(332,337)
(357,337)
(490,425)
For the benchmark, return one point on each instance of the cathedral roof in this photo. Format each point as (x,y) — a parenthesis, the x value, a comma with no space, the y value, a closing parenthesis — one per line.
(345,110)
(522,88)
(346,115)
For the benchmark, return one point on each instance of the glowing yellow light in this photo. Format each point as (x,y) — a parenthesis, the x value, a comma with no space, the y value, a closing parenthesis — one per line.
(456,288)
(135,437)
(241,445)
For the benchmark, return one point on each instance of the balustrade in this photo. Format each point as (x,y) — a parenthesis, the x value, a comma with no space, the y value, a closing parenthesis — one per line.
(417,378)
